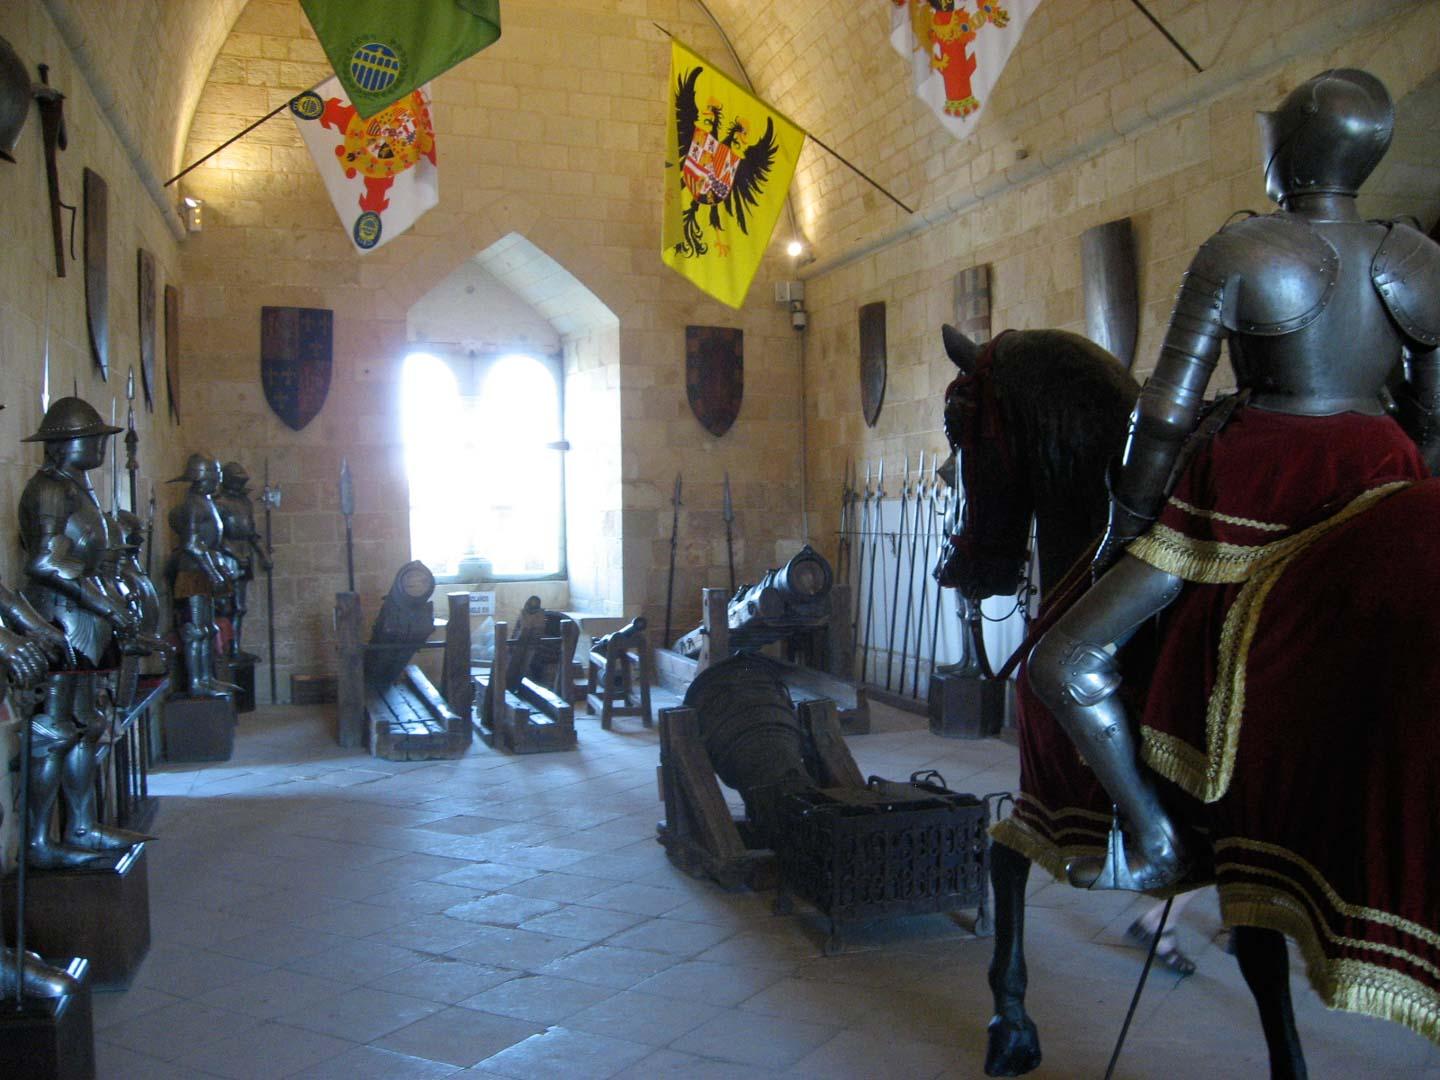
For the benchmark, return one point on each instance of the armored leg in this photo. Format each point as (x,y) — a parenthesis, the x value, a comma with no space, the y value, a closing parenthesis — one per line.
(1076,676)
(82,828)
(198,635)
(237,615)
(53,737)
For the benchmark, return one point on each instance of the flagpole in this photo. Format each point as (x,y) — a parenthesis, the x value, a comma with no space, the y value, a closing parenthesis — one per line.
(240,135)
(790,209)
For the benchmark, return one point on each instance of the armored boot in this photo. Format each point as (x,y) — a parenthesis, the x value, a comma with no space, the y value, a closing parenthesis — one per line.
(1078,679)
(37,978)
(198,635)
(52,738)
(82,829)
(237,617)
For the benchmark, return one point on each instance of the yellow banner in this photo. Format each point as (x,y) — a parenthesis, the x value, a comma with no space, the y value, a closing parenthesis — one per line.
(724,187)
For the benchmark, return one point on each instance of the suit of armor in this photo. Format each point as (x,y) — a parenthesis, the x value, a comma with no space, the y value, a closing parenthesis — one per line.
(1320,309)
(197,575)
(66,536)
(242,547)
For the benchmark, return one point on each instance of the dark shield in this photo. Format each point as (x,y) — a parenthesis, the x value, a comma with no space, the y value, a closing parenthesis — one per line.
(146,293)
(295,360)
(1112,299)
(172,350)
(715,375)
(872,360)
(972,303)
(97,269)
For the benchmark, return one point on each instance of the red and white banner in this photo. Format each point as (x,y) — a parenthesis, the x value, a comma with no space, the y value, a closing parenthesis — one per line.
(380,172)
(956,56)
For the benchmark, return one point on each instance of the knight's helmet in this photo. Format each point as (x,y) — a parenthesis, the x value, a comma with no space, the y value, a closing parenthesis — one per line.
(14,99)
(198,467)
(1327,136)
(71,418)
(233,476)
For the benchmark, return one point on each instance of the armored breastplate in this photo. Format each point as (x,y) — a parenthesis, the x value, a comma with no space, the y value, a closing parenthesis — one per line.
(238,521)
(1310,333)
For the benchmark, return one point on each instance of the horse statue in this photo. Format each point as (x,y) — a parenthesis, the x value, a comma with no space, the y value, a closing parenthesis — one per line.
(1034,418)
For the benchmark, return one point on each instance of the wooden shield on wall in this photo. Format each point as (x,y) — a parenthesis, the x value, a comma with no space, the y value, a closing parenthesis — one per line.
(146,292)
(872,360)
(295,359)
(972,303)
(1112,297)
(97,269)
(715,375)
(172,350)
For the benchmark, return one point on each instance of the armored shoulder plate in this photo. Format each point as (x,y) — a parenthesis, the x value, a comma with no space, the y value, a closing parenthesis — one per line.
(1406,273)
(1276,272)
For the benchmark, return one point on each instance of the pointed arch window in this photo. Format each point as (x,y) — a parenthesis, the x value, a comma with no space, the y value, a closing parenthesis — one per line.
(484,437)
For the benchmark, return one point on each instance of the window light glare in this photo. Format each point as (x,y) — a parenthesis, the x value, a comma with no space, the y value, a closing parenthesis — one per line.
(795,249)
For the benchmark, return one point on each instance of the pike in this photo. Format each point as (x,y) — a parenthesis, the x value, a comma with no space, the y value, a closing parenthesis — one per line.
(270,499)
(910,574)
(674,533)
(347,507)
(150,530)
(729,514)
(931,493)
(897,539)
(947,504)
(132,442)
(877,524)
(855,597)
(51,104)
(842,546)
(115,458)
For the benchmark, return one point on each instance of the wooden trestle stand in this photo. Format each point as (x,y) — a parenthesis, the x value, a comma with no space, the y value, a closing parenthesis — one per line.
(531,719)
(620,684)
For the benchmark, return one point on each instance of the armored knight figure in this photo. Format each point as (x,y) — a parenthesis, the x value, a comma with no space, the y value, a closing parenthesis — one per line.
(1319,307)
(197,575)
(242,546)
(138,588)
(65,536)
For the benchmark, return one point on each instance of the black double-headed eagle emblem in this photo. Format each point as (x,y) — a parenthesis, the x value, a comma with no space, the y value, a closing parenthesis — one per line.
(719,167)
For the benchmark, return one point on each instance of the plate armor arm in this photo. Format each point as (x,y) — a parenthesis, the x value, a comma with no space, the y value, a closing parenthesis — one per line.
(1418,404)
(1168,407)
(55,567)
(1406,274)
(21,616)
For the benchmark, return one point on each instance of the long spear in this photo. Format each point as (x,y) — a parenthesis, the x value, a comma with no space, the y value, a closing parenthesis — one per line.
(132,443)
(896,545)
(674,533)
(860,579)
(910,573)
(347,507)
(270,499)
(729,515)
(877,525)
(931,492)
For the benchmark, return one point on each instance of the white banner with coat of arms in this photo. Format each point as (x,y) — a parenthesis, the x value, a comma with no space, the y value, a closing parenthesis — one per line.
(380,172)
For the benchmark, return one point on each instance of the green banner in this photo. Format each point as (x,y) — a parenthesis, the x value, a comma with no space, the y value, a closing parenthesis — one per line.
(383,49)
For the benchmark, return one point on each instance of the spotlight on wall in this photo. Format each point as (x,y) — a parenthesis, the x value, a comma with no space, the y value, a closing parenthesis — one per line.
(190,212)
(795,249)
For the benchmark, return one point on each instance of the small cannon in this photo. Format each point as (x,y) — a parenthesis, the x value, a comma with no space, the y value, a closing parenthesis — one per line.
(793,598)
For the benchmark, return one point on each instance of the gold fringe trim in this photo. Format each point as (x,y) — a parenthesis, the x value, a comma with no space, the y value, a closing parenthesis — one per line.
(1045,854)
(1259,568)
(1031,803)
(1350,911)
(1345,984)
(1228,519)
(1214,562)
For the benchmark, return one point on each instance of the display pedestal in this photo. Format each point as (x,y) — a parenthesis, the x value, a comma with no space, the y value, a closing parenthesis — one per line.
(102,914)
(198,728)
(242,674)
(50,1038)
(967,706)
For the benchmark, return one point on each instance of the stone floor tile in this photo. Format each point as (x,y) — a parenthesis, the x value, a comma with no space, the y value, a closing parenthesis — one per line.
(463,825)
(277,945)
(485,877)
(636,899)
(585,924)
(670,1063)
(715,984)
(549,857)
(458,1036)
(114,1062)
(643,1018)
(423,897)
(356,961)
(430,934)
(752,1039)
(350,919)
(541,998)
(443,979)
(558,885)
(861,1054)
(373,1063)
(187,972)
(574,1055)
(673,937)
(518,949)
(363,1014)
(169,1032)
(605,965)
(501,909)
(263,1053)
(109,1009)
(272,994)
